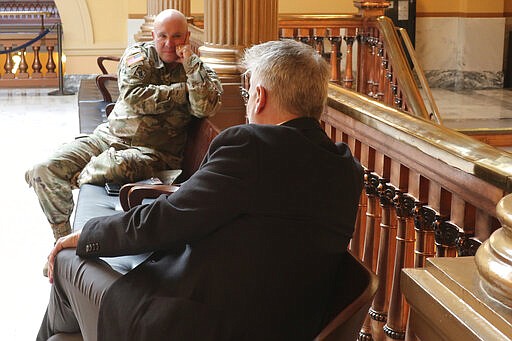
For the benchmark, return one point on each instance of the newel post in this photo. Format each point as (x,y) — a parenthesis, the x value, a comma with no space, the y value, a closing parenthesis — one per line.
(494,257)
(371,8)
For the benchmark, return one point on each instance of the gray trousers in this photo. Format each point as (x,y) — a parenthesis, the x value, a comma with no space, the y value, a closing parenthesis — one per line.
(78,288)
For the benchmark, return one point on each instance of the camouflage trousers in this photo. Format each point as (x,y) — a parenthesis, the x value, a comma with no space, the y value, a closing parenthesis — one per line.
(94,159)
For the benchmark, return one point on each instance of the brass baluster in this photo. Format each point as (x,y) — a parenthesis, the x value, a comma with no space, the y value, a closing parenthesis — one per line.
(424,217)
(23,66)
(36,64)
(8,64)
(371,183)
(398,308)
(304,36)
(318,37)
(362,52)
(335,41)
(372,42)
(397,98)
(388,93)
(356,244)
(376,66)
(50,64)
(349,38)
(379,308)
(382,67)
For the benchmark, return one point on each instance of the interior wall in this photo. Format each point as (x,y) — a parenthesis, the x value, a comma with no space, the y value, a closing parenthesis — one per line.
(316,7)
(460,6)
(91,28)
(461,44)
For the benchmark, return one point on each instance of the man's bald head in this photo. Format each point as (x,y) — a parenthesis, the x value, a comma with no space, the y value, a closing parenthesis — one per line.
(170,30)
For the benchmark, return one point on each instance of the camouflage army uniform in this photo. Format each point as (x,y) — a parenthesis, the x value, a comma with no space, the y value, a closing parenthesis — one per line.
(145,132)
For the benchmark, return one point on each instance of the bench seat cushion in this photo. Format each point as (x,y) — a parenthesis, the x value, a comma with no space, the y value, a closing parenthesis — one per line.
(93,201)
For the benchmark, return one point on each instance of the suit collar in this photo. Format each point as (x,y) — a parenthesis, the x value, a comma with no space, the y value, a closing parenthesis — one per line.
(302,123)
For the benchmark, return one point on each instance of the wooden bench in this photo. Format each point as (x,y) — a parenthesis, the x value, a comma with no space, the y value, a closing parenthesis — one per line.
(94,201)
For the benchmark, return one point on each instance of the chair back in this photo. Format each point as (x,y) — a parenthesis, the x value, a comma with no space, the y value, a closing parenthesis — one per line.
(355,287)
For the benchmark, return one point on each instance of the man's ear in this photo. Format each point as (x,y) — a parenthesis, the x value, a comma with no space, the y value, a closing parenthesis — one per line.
(261,99)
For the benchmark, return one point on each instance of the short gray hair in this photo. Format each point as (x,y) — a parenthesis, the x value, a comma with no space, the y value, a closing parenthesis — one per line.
(293,72)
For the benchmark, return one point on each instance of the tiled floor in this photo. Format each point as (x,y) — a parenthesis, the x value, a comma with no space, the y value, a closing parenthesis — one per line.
(475,109)
(33,124)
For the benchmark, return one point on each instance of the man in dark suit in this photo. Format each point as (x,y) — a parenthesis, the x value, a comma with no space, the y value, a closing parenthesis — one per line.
(247,248)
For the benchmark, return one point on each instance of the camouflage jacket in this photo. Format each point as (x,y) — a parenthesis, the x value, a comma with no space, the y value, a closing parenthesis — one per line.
(156,102)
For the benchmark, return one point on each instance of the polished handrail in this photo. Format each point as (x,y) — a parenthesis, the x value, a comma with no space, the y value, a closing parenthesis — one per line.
(318,20)
(402,68)
(46,13)
(421,75)
(455,149)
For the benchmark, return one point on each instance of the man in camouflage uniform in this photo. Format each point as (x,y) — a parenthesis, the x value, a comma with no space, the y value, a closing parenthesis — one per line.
(162,85)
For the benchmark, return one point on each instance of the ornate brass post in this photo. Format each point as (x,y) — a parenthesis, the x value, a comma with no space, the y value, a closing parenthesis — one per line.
(494,257)
(371,8)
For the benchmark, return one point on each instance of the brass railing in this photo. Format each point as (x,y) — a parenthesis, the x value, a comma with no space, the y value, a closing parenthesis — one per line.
(429,192)
(30,66)
(371,49)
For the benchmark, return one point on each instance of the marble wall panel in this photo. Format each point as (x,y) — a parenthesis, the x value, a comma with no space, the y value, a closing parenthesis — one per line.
(462,53)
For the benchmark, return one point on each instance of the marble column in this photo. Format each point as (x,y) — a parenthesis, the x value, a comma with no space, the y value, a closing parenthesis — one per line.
(153,8)
(232,25)
(229,27)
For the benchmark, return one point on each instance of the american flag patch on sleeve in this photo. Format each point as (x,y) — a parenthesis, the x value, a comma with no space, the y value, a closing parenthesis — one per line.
(134,58)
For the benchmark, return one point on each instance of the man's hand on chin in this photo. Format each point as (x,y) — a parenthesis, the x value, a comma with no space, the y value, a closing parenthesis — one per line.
(69,241)
(183,52)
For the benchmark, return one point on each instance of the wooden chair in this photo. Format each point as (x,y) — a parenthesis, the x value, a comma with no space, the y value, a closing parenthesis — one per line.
(102,82)
(96,97)
(356,285)
(201,133)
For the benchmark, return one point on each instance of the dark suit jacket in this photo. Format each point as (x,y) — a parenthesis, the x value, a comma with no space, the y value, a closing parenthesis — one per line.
(245,250)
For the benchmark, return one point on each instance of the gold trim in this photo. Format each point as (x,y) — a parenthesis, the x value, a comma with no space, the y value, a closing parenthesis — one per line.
(400,67)
(136,16)
(456,149)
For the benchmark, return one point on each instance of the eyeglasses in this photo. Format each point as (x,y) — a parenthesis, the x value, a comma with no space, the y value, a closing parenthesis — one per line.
(245,94)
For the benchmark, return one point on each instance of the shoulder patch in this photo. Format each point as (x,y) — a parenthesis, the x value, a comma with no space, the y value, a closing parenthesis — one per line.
(134,58)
